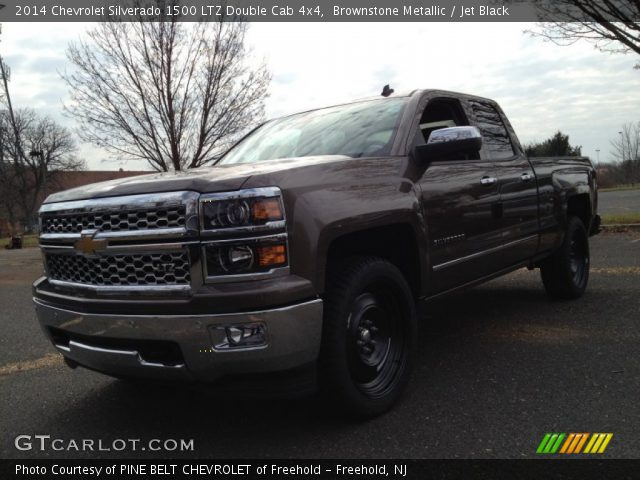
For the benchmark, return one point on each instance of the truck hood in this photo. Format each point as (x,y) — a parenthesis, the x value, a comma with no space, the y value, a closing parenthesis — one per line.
(204,180)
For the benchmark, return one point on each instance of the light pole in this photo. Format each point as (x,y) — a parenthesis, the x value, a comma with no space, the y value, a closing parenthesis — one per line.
(43,176)
(598,155)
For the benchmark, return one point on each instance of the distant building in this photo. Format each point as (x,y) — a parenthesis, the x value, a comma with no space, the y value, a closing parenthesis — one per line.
(64,181)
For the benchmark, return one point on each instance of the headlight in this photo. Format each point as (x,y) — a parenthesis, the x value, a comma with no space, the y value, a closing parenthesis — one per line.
(252,256)
(244,209)
(244,235)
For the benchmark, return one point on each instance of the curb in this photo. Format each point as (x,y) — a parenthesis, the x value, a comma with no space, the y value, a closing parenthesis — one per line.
(619,227)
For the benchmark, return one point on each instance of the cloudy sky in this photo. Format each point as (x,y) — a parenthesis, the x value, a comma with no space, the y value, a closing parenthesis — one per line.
(542,87)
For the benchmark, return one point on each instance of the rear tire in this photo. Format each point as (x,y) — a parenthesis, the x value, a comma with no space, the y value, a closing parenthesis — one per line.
(566,273)
(368,337)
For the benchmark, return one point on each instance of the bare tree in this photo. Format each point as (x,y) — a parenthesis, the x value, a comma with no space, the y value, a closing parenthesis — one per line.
(9,142)
(172,93)
(611,25)
(626,151)
(34,149)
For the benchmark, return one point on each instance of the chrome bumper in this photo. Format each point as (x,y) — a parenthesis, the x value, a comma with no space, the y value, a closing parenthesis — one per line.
(292,339)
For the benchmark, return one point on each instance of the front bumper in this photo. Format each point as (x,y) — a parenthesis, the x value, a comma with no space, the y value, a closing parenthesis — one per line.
(133,345)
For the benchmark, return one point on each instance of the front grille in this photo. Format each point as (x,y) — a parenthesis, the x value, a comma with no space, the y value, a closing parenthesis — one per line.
(124,220)
(121,270)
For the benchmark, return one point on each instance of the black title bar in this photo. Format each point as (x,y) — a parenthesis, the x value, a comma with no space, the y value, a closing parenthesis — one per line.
(251,469)
(303,10)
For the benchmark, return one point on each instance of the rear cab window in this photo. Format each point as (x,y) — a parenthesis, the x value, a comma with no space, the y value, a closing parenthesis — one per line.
(496,141)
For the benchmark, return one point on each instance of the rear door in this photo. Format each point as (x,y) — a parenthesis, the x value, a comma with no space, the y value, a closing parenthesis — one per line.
(516,214)
(459,196)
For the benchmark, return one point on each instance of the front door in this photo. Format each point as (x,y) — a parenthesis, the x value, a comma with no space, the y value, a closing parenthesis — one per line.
(459,199)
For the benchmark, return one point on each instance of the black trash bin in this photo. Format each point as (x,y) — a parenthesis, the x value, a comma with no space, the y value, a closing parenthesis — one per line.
(15,243)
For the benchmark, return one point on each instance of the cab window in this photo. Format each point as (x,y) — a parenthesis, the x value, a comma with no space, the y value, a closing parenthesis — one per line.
(495,138)
(441,113)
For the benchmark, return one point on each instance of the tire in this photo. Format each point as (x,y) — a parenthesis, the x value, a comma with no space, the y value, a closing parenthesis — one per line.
(566,273)
(368,336)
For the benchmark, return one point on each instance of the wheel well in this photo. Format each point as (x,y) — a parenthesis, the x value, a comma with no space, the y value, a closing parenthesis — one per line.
(580,206)
(395,243)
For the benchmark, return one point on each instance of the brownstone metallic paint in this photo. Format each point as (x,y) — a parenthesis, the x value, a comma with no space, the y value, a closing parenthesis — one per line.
(328,197)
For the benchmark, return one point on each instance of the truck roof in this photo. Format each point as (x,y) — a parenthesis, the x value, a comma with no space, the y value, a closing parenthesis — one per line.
(416,92)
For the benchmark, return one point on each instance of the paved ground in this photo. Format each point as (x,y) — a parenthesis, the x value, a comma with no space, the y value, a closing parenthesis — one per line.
(625,201)
(499,366)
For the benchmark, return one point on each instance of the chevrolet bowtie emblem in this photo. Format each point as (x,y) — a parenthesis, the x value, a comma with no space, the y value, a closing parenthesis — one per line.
(88,244)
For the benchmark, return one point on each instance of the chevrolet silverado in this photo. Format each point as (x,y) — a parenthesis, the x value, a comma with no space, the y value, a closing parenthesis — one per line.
(303,251)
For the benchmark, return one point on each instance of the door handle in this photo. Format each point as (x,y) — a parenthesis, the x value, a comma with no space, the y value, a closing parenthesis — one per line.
(526,177)
(488,180)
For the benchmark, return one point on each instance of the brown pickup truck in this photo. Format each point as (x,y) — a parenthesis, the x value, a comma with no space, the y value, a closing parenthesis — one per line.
(302,252)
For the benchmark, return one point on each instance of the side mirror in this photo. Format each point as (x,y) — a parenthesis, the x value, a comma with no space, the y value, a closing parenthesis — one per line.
(447,142)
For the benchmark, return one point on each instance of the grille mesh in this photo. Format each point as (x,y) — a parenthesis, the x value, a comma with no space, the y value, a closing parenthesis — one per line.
(121,270)
(168,217)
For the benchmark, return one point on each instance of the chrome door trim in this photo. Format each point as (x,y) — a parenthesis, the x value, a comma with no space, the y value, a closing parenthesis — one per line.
(476,255)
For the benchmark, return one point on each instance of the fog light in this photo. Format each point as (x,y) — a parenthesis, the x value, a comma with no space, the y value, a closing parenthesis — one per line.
(247,335)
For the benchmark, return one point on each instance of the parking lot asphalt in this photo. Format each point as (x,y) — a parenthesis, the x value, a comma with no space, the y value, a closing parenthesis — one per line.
(619,202)
(499,366)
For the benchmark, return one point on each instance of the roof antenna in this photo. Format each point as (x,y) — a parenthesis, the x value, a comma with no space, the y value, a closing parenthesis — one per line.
(386,91)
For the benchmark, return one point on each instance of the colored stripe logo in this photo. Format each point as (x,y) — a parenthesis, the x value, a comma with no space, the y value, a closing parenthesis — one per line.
(573,443)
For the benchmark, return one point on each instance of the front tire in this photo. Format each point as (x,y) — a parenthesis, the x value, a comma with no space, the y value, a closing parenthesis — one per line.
(369,336)
(566,273)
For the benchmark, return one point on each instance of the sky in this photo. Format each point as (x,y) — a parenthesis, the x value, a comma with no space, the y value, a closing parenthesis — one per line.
(541,87)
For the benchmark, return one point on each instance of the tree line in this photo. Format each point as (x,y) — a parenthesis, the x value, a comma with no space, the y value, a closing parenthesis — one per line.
(621,169)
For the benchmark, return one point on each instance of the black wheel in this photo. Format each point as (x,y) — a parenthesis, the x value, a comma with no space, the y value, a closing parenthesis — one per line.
(368,336)
(566,273)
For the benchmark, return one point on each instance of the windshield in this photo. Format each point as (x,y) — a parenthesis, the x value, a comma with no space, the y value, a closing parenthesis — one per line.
(363,129)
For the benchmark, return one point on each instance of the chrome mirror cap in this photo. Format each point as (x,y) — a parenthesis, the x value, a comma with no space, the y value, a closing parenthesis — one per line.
(453,134)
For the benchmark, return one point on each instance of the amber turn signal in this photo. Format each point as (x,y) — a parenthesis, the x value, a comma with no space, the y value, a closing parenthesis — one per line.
(265,209)
(272,255)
